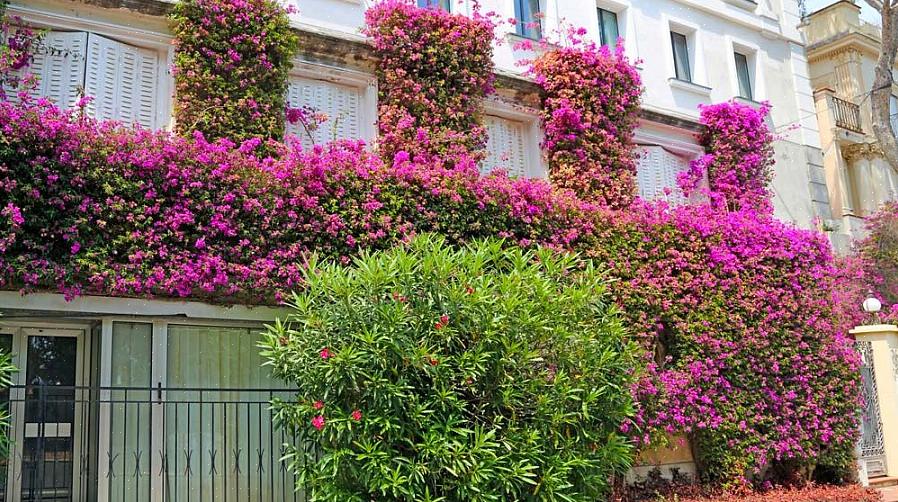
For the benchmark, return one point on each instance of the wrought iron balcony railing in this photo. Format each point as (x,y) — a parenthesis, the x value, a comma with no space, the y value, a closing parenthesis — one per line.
(847,114)
(145,444)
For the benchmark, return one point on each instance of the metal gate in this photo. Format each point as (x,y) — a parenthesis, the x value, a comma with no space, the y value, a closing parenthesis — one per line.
(872,446)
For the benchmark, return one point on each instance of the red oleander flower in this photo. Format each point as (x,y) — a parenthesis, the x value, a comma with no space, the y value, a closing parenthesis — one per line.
(318,422)
(356,415)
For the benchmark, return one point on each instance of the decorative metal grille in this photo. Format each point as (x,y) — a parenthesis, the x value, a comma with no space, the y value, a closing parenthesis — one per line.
(871,425)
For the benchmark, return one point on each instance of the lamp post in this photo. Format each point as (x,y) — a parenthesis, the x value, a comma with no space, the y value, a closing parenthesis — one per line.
(872,305)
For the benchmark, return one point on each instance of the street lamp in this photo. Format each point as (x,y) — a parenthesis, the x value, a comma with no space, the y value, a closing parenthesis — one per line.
(872,305)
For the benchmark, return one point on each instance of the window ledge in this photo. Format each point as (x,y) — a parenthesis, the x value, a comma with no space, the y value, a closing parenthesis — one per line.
(748,5)
(689,86)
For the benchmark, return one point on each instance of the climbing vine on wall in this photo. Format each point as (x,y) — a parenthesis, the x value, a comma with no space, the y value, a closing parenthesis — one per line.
(435,69)
(739,162)
(231,65)
(590,98)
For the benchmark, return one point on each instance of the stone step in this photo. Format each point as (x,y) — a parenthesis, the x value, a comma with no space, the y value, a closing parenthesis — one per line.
(883,481)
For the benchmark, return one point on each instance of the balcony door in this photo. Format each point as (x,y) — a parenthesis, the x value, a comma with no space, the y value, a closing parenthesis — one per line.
(44,458)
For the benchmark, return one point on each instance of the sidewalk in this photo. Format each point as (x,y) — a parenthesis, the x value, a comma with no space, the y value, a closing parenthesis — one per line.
(889,494)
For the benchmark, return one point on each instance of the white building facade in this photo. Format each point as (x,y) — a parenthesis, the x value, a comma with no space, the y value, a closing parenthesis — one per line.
(141,408)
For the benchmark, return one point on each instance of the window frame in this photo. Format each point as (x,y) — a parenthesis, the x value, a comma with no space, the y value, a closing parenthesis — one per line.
(445,5)
(159,42)
(531,29)
(602,13)
(676,36)
(497,107)
(365,83)
(744,80)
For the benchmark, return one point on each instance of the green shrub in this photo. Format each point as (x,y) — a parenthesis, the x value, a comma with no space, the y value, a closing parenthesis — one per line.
(427,372)
(6,371)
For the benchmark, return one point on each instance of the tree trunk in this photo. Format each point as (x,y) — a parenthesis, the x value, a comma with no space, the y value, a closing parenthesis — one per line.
(882,86)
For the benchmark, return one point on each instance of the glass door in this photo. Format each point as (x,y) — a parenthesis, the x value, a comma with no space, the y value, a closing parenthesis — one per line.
(46,416)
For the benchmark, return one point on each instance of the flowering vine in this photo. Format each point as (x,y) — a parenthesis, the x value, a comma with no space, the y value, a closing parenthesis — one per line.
(590,100)
(231,64)
(435,69)
(18,43)
(739,160)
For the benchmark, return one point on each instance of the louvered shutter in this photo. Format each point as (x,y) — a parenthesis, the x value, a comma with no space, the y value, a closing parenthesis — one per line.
(341,103)
(59,68)
(657,173)
(122,79)
(506,146)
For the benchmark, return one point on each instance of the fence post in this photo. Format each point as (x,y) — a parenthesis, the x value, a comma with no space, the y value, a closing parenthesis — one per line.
(883,339)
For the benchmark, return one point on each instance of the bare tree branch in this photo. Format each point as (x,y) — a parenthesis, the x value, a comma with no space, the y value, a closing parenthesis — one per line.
(881,93)
(876,4)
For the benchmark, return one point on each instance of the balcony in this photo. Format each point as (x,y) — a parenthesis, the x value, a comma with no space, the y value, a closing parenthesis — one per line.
(847,115)
(145,444)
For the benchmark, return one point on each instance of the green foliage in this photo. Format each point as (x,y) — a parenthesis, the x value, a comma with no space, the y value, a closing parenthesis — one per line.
(6,370)
(231,67)
(427,372)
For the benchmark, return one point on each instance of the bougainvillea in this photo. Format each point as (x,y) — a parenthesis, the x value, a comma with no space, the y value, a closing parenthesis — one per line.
(484,373)
(96,207)
(435,69)
(739,162)
(231,63)
(17,45)
(749,356)
(590,102)
(736,310)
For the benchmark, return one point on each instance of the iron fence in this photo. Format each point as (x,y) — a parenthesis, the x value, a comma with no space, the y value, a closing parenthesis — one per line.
(145,444)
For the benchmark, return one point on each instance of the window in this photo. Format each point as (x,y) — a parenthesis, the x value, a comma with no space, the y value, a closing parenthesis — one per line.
(608,32)
(506,146)
(743,75)
(656,174)
(341,104)
(121,79)
(527,14)
(446,5)
(681,56)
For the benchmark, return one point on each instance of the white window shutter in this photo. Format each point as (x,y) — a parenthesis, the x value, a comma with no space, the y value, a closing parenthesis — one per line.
(657,173)
(58,67)
(122,79)
(506,146)
(341,103)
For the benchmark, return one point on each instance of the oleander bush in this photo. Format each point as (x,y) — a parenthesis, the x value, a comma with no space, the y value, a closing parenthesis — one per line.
(232,58)
(429,372)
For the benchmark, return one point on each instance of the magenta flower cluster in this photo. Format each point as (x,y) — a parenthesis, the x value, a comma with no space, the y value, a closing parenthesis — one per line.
(17,45)
(742,317)
(435,69)
(231,64)
(590,100)
(98,208)
(738,168)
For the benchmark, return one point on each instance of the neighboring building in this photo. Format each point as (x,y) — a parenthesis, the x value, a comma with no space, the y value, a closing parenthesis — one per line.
(842,54)
(80,440)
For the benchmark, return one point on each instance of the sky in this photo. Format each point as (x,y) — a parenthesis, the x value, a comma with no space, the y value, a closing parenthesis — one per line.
(868,13)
